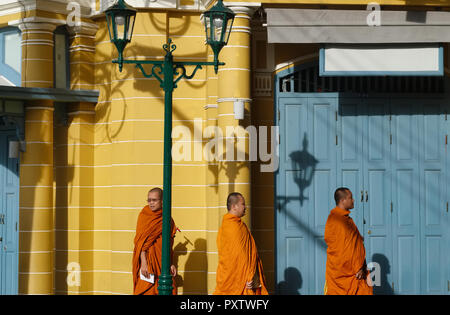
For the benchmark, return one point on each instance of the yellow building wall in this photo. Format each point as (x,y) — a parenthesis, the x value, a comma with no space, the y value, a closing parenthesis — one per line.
(128,147)
(101,162)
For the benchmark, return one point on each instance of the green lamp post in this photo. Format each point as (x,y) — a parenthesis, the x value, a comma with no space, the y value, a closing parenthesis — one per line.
(218,23)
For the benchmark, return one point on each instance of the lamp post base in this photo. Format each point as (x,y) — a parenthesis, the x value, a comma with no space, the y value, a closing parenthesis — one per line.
(165,285)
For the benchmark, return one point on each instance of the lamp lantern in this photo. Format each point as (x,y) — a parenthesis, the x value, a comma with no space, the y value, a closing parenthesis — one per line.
(218,23)
(120,18)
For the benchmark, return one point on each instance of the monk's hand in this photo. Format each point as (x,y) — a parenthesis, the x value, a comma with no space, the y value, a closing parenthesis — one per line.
(361,274)
(144,270)
(173,270)
(249,284)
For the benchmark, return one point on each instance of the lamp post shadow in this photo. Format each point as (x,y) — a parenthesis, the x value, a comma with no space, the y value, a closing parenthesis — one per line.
(292,282)
(384,288)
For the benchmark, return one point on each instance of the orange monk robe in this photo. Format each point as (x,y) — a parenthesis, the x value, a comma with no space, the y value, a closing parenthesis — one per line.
(149,238)
(345,256)
(238,259)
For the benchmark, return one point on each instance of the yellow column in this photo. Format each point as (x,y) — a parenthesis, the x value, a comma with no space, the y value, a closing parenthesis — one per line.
(36,242)
(74,216)
(234,85)
(36,202)
(82,57)
(74,159)
(37,54)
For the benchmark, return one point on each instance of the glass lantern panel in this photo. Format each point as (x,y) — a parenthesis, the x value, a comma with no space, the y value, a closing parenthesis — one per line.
(110,26)
(207,29)
(120,26)
(131,27)
(228,30)
(217,27)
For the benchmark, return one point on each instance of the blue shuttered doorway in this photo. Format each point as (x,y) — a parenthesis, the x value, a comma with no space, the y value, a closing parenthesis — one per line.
(9,216)
(391,150)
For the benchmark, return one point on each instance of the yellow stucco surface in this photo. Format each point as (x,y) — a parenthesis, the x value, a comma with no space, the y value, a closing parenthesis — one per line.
(84,182)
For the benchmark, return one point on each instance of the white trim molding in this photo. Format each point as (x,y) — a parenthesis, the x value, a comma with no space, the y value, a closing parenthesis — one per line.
(8,7)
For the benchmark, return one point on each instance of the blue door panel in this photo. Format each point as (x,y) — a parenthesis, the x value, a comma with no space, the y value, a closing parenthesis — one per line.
(308,175)
(322,158)
(391,153)
(292,221)
(406,199)
(350,153)
(408,281)
(433,206)
(9,203)
(434,268)
(320,259)
(377,191)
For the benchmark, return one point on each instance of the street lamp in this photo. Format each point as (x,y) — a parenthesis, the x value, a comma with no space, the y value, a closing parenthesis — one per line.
(218,22)
(120,18)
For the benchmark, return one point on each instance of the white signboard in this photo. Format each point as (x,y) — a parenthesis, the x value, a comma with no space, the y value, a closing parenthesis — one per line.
(381,60)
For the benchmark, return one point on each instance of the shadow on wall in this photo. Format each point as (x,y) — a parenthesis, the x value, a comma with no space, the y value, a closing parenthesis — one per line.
(306,163)
(292,282)
(383,287)
(193,277)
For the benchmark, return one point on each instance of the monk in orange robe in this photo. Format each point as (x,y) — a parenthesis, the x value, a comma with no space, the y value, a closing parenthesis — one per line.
(346,269)
(148,245)
(240,270)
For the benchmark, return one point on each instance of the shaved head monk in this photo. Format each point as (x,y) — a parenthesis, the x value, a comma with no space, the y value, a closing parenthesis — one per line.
(240,270)
(346,269)
(148,245)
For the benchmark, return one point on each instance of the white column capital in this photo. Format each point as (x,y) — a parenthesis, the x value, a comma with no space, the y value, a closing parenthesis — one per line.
(41,26)
(89,29)
(243,8)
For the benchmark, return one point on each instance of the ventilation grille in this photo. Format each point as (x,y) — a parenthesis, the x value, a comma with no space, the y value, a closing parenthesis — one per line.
(309,81)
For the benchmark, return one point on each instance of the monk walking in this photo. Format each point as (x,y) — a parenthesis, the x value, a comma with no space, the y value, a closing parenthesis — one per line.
(148,245)
(346,269)
(240,270)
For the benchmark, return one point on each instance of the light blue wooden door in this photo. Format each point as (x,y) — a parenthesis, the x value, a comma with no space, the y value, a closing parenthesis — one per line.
(292,219)
(307,178)
(377,191)
(350,132)
(322,123)
(406,131)
(9,211)
(434,181)
(392,152)
(364,168)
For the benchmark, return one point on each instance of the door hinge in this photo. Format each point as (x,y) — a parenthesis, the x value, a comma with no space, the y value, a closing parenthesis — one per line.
(448,285)
(336,114)
(390,138)
(447,206)
(446,139)
(392,207)
(336,140)
(279,115)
